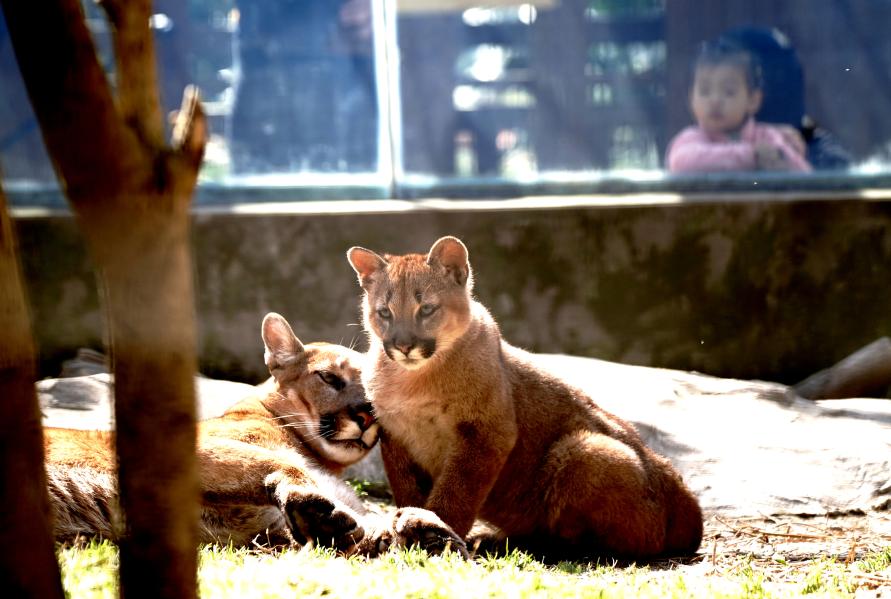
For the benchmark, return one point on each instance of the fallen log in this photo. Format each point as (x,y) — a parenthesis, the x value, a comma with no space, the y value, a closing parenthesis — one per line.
(865,373)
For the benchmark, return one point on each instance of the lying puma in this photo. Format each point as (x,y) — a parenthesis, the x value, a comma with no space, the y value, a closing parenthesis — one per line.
(267,465)
(472,428)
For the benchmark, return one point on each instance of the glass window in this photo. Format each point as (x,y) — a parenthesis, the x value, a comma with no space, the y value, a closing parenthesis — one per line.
(409,98)
(535,88)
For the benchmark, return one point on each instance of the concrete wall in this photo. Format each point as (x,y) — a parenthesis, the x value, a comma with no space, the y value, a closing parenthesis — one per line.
(748,288)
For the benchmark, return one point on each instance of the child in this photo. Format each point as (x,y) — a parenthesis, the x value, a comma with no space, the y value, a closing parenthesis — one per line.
(725,96)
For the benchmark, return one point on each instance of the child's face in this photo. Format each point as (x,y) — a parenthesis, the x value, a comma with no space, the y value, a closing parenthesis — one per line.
(721,99)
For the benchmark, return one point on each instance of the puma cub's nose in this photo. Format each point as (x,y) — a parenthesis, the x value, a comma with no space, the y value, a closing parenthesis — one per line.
(404,346)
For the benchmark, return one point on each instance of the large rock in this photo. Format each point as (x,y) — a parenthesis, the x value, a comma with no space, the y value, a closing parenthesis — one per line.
(84,402)
(749,447)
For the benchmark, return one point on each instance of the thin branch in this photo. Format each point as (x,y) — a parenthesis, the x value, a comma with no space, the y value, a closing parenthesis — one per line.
(189,135)
(873,578)
(754,531)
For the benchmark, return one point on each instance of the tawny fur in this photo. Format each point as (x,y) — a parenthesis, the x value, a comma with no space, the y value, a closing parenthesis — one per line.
(472,428)
(267,466)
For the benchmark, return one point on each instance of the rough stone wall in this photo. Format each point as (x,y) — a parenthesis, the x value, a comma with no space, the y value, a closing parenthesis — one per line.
(764,289)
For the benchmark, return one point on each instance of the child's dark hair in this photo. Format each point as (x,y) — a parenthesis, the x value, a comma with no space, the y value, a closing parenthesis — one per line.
(723,51)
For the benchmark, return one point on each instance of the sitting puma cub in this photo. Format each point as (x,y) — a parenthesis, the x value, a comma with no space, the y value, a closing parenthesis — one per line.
(267,465)
(472,428)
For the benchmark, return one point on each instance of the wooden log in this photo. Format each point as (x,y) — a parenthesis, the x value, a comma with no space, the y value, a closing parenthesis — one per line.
(866,371)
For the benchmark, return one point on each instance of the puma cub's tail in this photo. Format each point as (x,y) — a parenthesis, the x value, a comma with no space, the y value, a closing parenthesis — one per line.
(683,526)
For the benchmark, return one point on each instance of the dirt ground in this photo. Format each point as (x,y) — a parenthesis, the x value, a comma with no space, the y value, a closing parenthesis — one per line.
(780,547)
(773,543)
(784,546)
(797,538)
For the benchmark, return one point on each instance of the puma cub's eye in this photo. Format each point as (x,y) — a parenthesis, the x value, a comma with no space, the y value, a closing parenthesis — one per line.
(427,310)
(385,313)
(331,380)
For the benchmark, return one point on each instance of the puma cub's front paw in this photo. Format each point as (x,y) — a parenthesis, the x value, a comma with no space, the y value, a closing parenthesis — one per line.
(378,538)
(417,526)
(321,519)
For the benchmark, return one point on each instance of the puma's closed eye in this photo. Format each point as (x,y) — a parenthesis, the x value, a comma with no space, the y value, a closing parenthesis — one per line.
(331,379)
(384,313)
(427,309)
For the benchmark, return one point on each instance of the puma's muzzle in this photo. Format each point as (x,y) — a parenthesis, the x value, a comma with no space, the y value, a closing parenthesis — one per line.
(410,352)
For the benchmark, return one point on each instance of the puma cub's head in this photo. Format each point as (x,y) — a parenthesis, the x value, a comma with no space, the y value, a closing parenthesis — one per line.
(319,394)
(416,305)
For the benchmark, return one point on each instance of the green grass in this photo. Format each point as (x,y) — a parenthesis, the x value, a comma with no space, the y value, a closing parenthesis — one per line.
(875,562)
(90,571)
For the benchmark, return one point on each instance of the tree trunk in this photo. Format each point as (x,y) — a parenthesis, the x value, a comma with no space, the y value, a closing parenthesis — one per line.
(148,294)
(130,192)
(29,567)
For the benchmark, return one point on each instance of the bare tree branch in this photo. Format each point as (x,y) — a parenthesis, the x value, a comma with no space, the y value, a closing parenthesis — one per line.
(66,82)
(136,74)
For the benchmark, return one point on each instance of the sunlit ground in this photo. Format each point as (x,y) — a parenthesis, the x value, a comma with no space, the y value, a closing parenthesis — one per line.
(773,568)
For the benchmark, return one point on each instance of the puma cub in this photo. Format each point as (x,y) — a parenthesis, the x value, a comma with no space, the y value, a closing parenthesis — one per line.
(472,428)
(267,465)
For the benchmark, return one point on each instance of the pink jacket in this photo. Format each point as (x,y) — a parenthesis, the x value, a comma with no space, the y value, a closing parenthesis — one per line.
(694,151)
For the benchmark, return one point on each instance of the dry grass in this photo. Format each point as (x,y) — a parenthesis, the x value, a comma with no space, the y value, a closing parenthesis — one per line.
(850,551)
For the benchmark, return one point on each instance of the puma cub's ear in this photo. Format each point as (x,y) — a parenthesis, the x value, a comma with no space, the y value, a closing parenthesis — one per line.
(283,348)
(451,254)
(365,263)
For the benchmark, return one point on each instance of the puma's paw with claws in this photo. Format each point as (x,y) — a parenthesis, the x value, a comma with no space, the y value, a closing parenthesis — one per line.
(417,526)
(377,541)
(320,519)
